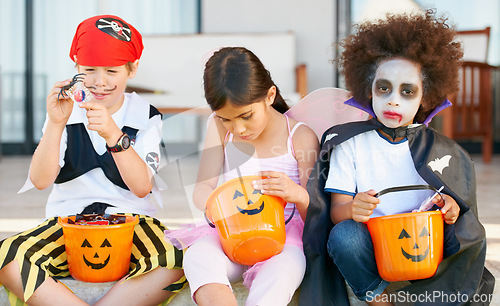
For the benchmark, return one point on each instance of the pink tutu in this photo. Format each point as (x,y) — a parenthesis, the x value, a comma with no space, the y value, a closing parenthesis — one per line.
(294,230)
(185,236)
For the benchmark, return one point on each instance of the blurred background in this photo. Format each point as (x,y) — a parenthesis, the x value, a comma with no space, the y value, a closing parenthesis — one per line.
(36,36)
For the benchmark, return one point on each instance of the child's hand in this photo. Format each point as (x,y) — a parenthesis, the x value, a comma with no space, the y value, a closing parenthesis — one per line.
(59,111)
(101,122)
(363,205)
(279,184)
(450,208)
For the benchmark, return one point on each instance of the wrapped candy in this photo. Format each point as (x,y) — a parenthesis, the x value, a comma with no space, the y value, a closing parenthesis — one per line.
(97,219)
(76,90)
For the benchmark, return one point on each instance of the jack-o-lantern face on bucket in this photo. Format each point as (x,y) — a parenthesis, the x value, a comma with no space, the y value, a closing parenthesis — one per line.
(419,245)
(96,262)
(250,224)
(254,205)
(407,246)
(98,253)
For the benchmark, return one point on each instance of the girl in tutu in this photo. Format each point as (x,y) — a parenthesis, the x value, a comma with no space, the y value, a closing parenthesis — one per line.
(248,134)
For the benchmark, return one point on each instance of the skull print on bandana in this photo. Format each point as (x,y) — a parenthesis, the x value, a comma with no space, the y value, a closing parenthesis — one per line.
(115,28)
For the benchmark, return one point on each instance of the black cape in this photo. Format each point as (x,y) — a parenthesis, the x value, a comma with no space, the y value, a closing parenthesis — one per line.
(460,273)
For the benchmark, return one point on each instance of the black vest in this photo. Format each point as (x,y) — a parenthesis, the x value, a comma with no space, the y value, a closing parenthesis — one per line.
(81,157)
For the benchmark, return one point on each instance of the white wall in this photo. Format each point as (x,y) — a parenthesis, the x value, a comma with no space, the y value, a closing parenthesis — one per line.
(312,21)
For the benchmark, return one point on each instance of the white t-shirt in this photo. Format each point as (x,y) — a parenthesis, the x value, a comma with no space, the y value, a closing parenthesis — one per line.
(369,161)
(73,196)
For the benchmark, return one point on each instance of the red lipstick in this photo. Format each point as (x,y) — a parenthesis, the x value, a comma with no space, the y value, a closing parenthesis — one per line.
(393,115)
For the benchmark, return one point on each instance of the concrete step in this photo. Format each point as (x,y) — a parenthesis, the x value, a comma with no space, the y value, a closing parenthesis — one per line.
(241,293)
(92,292)
(89,292)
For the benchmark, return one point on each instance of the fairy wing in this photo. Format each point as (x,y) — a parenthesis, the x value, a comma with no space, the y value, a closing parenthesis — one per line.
(324,108)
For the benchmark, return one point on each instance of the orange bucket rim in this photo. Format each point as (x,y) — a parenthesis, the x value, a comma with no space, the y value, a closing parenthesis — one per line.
(219,189)
(129,221)
(395,216)
(228,244)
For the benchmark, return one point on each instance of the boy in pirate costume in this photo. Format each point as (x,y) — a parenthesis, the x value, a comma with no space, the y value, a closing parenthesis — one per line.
(99,154)
(400,70)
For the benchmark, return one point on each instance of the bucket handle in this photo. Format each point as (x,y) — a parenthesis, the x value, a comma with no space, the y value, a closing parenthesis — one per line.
(405,188)
(411,187)
(208,220)
(213,225)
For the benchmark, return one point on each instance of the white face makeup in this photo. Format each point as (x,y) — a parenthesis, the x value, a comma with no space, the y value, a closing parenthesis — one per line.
(397,92)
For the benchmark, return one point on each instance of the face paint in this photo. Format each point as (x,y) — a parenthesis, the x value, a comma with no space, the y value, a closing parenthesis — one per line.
(397,92)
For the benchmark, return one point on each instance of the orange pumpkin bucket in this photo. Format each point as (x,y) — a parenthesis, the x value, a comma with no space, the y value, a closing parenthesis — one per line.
(407,246)
(251,225)
(98,253)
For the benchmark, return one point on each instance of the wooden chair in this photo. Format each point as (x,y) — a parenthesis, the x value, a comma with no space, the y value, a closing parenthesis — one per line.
(470,117)
(301,80)
(475,44)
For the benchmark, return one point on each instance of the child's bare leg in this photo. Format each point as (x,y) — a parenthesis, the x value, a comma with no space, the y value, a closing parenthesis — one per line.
(146,289)
(215,294)
(50,292)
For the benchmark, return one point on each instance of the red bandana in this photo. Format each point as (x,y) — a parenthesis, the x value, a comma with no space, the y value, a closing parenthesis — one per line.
(106,41)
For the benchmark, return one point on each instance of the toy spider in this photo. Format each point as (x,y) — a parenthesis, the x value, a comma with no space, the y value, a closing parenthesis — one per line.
(77,78)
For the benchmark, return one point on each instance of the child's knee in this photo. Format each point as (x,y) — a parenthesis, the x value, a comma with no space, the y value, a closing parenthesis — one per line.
(205,259)
(192,258)
(348,237)
(288,266)
(277,280)
(10,271)
(206,245)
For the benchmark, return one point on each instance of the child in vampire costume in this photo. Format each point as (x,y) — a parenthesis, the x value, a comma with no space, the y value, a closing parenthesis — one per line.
(426,42)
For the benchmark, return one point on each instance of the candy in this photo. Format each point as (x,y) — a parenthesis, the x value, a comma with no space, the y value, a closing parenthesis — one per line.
(97,219)
(79,93)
